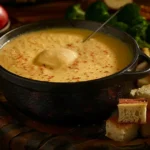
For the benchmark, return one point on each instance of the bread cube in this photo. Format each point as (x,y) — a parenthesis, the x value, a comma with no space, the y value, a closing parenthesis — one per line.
(132,110)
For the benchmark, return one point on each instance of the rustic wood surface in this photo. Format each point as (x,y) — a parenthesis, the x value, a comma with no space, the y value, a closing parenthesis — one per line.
(20,132)
(55,9)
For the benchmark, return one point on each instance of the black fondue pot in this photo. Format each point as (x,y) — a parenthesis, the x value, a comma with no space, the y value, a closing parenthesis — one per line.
(86,101)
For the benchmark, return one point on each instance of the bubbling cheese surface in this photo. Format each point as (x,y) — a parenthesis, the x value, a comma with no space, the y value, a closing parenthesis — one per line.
(98,57)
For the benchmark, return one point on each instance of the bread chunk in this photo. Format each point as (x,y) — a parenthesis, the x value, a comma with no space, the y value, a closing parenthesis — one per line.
(120,131)
(144,81)
(145,128)
(143,92)
(132,110)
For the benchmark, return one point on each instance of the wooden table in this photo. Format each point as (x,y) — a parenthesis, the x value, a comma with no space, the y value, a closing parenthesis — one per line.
(20,132)
(22,14)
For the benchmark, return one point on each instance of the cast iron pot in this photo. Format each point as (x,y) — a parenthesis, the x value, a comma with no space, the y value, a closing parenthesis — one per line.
(88,101)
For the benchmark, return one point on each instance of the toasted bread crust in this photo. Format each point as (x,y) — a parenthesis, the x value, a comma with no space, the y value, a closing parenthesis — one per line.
(132,110)
(133,101)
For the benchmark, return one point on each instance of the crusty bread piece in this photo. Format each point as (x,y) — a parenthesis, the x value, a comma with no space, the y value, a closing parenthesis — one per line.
(144,81)
(132,110)
(146,51)
(143,92)
(120,131)
(145,128)
(143,66)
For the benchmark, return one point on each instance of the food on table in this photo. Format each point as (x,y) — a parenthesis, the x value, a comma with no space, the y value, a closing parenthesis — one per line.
(129,19)
(143,92)
(132,110)
(128,13)
(138,25)
(56,58)
(120,131)
(27,55)
(131,117)
(143,66)
(143,81)
(120,25)
(116,4)
(3,17)
(146,51)
(97,11)
(138,28)
(75,12)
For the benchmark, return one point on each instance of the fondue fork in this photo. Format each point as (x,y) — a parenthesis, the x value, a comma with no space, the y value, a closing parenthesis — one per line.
(101,26)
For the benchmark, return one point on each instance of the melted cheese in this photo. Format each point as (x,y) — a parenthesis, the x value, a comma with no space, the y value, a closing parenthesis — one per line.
(39,55)
(56,58)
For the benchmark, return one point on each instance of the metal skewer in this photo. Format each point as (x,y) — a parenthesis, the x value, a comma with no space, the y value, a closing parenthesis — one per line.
(101,26)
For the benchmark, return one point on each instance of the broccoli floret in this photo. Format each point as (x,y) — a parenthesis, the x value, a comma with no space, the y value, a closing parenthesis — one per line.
(139,20)
(97,11)
(75,12)
(138,31)
(142,43)
(138,28)
(128,13)
(120,25)
(113,20)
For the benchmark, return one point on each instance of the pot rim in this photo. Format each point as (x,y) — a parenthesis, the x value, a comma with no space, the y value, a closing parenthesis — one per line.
(10,76)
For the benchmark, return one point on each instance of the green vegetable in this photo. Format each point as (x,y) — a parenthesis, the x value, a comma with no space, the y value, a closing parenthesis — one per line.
(120,25)
(97,11)
(138,30)
(128,19)
(128,13)
(139,33)
(142,43)
(139,20)
(113,20)
(75,12)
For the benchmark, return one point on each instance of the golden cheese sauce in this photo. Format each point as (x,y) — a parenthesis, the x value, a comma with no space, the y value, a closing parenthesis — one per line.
(100,56)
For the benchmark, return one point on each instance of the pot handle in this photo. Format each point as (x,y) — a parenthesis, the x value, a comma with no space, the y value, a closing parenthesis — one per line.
(139,74)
